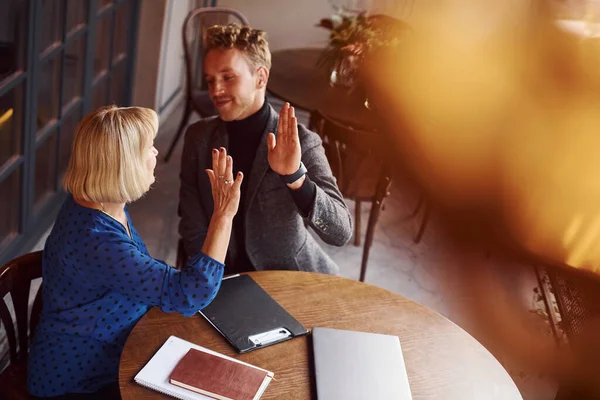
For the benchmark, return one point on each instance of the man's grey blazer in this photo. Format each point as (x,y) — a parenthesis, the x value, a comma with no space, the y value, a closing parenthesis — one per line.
(276,233)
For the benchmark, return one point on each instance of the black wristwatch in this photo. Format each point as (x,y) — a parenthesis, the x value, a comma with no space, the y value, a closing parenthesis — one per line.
(296,175)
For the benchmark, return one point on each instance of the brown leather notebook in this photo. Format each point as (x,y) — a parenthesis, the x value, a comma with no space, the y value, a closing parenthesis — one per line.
(219,377)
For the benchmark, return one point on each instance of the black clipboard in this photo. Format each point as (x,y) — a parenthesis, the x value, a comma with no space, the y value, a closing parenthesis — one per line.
(248,317)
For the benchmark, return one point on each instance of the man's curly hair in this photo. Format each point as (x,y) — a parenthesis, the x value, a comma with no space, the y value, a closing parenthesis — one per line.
(252,42)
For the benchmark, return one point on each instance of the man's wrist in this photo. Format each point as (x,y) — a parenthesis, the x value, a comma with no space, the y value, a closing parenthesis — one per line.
(293,178)
(298,183)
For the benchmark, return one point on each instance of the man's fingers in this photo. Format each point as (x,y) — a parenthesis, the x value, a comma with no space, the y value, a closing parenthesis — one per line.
(291,116)
(294,129)
(271,141)
(284,120)
(282,114)
(293,124)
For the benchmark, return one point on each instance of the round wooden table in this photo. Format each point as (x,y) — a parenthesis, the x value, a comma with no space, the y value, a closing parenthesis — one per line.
(296,78)
(442,360)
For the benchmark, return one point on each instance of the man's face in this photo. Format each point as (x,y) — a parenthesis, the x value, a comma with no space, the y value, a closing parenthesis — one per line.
(233,86)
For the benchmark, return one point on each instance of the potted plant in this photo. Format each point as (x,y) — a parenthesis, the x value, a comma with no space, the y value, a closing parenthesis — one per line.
(352,39)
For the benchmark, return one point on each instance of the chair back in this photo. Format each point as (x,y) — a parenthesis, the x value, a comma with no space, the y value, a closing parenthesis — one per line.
(357,157)
(193,35)
(577,298)
(15,278)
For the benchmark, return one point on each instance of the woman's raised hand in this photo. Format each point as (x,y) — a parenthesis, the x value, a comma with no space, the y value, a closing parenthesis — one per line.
(225,189)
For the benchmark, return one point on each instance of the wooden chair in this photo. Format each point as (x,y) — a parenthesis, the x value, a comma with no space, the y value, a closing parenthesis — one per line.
(358,161)
(196,94)
(15,278)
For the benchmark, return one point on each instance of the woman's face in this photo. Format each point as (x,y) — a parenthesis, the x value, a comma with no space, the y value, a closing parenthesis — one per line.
(150,154)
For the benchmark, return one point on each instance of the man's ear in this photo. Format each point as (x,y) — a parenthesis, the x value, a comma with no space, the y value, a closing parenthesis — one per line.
(263,77)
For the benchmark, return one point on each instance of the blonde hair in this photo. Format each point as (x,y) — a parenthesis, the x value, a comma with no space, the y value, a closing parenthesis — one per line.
(252,42)
(107,162)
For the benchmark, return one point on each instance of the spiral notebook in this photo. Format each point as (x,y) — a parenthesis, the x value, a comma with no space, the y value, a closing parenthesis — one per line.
(155,374)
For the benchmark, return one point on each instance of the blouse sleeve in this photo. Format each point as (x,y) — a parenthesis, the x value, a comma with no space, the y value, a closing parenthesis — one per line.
(116,263)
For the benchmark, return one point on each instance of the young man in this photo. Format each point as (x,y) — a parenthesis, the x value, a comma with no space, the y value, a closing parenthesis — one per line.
(288,183)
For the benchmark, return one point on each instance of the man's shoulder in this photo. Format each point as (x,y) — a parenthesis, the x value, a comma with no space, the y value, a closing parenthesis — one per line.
(308,138)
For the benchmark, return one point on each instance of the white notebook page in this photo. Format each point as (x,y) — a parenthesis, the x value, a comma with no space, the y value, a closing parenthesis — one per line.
(155,374)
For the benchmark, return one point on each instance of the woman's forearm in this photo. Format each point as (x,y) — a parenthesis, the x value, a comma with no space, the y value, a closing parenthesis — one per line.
(217,238)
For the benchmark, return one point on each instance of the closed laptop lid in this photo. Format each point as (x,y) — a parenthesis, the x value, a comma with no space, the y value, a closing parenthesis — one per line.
(359,365)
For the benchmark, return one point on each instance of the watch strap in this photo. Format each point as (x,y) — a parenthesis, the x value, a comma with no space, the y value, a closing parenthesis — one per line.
(296,175)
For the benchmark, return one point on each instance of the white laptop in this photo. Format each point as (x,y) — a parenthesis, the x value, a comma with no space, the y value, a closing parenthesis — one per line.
(358,365)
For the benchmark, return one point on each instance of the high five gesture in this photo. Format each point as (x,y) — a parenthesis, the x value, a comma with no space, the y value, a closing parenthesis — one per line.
(284,150)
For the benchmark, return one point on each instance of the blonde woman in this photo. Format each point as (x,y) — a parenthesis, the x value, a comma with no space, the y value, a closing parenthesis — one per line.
(98,277)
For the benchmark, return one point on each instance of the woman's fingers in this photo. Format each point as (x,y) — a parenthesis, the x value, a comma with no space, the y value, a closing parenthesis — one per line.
(237,184)
(229,169)
(222,168)
(211,177)
(215,160)
(225,189)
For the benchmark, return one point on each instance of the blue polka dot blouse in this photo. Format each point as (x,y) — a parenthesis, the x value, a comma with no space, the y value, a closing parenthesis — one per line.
(97,283)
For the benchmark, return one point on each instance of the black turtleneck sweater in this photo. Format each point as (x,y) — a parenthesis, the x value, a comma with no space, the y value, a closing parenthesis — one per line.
(244,138)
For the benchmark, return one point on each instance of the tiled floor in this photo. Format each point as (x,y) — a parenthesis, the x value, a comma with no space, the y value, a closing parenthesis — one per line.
(488,297)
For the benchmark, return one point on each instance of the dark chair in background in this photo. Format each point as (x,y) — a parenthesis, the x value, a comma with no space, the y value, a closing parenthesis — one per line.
(15,278)
(577,297)
(197,98)
(358,161)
